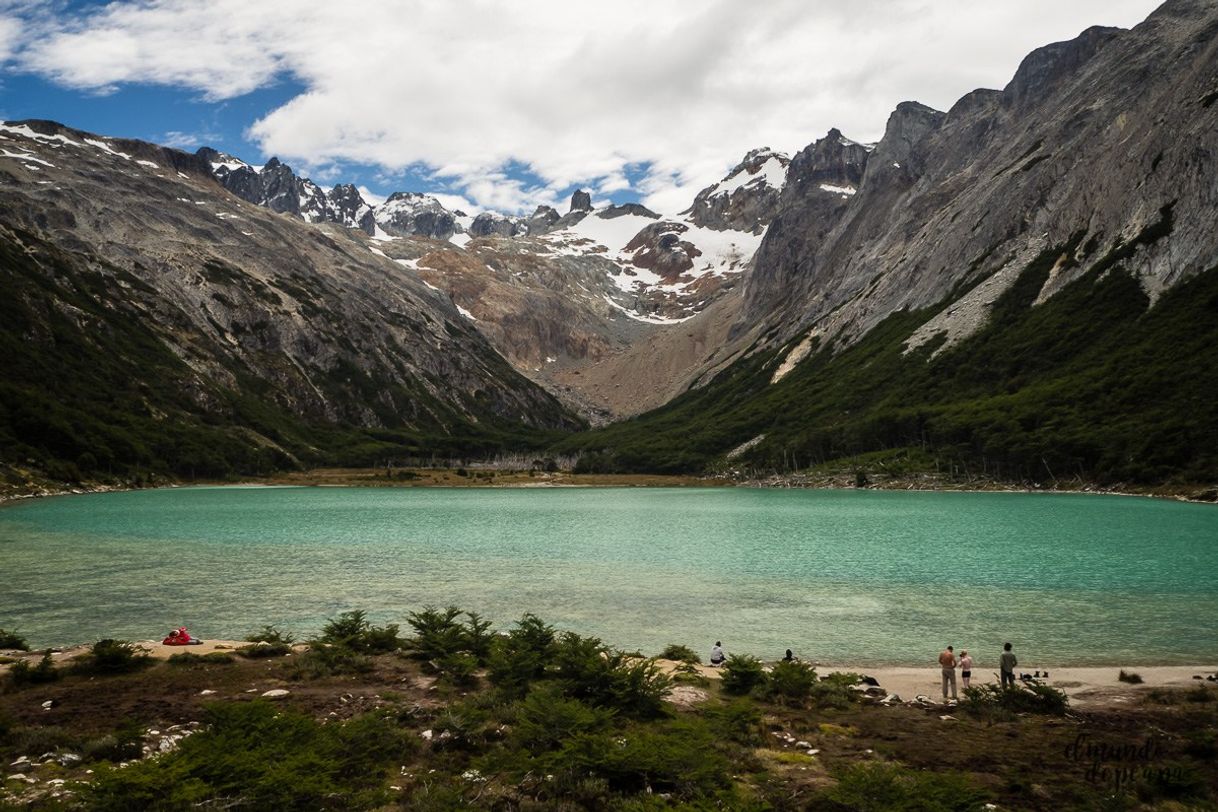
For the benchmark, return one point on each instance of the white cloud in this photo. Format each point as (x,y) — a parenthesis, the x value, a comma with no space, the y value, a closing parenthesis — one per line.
(10,31)
(181,140)
(574,91)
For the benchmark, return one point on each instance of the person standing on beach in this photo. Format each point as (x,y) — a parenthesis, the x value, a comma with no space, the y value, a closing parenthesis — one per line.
(1006,666)
(947,662)
(966,667)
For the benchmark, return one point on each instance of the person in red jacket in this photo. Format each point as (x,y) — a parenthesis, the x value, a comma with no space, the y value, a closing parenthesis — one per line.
(181,637)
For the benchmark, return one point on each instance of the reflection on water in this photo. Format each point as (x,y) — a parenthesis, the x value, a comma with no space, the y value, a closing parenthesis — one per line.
(867,577)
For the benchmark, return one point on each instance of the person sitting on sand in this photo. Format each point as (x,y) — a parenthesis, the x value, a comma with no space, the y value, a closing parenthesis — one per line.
(790,658)
(947,662)
(717,654)
(181,637)
(966,667)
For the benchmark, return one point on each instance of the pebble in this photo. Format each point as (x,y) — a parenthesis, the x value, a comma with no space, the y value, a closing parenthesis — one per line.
(275,693)
(206,692)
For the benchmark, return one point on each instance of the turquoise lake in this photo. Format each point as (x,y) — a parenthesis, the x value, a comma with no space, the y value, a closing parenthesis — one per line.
(855,577)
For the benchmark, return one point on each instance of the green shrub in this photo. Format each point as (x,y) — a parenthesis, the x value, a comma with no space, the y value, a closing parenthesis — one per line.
(124,744)
(21,673)
(523,655)
(439,635)
(590,671)
(882,787)
(791,682)
(677,756)
(322,660)
(688,674)
(353,631)
(272,635)
(257,756)
(1028,698)
(738,721)
(13,641)
(261,650)
(681,654)
(741,674)
(113,657)
(1129,677)
(189,658)
(545,719)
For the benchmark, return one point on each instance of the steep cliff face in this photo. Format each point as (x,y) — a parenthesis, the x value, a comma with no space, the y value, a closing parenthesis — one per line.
(249,312)
(1021,287)
(1096,145)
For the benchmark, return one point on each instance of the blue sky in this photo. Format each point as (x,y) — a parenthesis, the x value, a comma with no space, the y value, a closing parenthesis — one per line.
(510,105)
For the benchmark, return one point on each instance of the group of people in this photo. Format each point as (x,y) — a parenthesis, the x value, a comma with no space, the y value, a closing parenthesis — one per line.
(948,662)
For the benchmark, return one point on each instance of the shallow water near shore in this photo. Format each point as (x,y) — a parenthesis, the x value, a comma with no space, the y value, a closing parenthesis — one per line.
(839,576)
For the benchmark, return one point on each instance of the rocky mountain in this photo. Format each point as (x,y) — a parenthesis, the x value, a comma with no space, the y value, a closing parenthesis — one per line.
(407,214)
(1021,286)
(154,319)
(278,188)
(1094,142)
(557,295)
(748,198)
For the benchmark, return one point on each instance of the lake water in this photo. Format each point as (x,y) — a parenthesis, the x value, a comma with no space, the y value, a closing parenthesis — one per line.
(838,576)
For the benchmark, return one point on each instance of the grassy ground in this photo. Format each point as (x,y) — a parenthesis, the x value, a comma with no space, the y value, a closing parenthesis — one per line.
(393,733)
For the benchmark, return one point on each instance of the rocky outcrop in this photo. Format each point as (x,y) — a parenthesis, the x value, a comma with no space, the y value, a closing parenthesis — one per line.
(580,201)
(748,198)
(407,214)
(279,189)
(543,219)
(659,248)
(626,209)
(494,224)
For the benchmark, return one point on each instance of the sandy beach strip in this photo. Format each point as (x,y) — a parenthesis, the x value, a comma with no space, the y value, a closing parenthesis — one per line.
(1085,685)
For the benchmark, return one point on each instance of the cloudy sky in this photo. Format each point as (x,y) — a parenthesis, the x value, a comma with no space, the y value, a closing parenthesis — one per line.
(507,105)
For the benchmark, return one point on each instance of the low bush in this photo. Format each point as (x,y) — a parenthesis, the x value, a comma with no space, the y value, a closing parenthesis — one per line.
(883,787)
(124,744)
(322,660)
(741,674)
(189,659)
(738,721)
(256,756)
(113,657)
(681,654)
(522,655)
(352,630)
(1129,677)
(21,673)
(545,720)
(268,641)
(590,671)
(790,682)
(12,641)
(452,647)
(1027,698)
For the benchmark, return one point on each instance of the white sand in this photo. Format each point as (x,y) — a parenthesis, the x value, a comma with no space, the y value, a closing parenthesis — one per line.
(1091,685)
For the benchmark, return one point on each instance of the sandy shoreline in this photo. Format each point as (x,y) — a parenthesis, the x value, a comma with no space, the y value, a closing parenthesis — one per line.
(1085,685)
